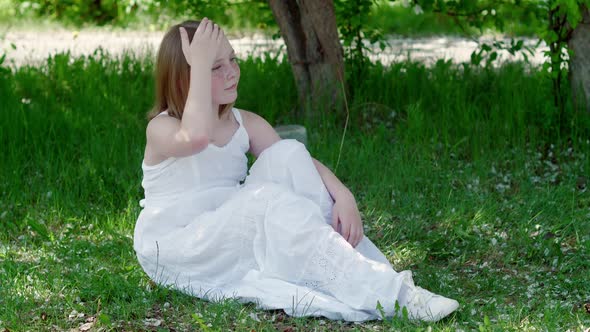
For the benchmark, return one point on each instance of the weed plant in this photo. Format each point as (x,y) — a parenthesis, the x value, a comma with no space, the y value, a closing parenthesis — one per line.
(467,176)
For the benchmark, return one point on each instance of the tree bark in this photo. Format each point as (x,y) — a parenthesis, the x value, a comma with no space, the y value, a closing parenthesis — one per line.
(580,61)
(314,50)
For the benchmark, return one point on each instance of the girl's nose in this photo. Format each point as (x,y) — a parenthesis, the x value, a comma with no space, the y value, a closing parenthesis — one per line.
(230,72)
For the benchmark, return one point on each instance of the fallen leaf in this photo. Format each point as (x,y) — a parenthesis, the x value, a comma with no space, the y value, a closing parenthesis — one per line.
(75,315)
(86,326)
(152,322)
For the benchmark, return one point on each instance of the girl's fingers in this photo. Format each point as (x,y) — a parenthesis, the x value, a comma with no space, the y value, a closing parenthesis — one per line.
(355,238)
(352,237)
(183,36)
(335,220)
(219,33)
(202,26)
(185,43)
(346,232)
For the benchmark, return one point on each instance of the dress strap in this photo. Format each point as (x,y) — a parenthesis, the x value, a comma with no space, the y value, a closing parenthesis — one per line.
(242,134)
(237,115)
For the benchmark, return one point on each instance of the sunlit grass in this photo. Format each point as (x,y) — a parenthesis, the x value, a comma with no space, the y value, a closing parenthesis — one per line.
(468,177)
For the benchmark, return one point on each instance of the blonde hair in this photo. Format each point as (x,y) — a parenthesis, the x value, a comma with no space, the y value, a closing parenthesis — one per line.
(172,74)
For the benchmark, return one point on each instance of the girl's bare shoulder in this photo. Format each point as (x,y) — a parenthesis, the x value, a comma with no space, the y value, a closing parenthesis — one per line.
(251,119)
(162,122)
(261,133)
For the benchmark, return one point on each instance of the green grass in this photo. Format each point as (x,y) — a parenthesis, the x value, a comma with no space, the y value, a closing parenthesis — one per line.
(466,176)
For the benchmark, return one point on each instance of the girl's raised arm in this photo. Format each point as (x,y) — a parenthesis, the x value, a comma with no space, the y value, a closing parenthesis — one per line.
(168,137)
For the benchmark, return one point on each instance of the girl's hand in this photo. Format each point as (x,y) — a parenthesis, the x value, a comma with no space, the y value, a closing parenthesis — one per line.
(346,217)
(205,44)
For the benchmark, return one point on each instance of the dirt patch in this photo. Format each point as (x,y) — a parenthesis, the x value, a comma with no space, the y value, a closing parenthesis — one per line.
(35,46)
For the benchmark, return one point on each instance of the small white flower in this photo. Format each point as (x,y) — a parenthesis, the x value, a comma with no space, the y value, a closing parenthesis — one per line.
(418,10)
(254,317)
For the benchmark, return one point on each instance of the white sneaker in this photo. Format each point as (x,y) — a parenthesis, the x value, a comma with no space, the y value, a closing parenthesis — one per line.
(427,306)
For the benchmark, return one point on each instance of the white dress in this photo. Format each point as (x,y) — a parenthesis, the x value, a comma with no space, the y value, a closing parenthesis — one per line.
(209,230)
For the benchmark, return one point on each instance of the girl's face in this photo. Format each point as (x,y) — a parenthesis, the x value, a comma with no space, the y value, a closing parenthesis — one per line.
(225,74)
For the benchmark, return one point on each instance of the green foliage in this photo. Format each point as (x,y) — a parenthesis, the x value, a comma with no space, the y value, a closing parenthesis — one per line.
(357,36)
(77,12)
(249,14)
(394,19)
(236,14)
(254,14)
(560,17)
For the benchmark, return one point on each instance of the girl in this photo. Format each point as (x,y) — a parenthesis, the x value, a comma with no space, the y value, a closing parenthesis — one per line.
(209,230)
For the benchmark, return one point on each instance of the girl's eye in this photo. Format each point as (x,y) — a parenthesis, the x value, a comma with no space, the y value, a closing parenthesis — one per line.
(234,59)
(217,67)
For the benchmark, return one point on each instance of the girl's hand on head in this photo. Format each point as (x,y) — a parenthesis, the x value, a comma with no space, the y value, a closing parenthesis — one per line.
(346,217)
(205,44)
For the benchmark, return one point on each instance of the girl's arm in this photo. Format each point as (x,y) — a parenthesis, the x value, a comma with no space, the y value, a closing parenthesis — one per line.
(346,218)
(169,137)
(335,187)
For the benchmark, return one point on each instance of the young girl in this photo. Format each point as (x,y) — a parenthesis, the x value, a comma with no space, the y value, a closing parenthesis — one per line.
(286,236)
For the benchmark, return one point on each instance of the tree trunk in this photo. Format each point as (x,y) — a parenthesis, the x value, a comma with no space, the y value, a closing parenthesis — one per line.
(580,61)
(311,35)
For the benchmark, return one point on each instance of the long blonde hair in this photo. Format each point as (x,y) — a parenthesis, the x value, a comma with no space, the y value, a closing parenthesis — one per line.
(172,74)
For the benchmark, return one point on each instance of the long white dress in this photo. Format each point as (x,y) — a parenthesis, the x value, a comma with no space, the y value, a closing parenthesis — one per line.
(209,230)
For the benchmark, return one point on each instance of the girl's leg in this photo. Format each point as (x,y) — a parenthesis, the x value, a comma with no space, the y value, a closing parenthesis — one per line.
(294,244)
(360,277)
(288,163)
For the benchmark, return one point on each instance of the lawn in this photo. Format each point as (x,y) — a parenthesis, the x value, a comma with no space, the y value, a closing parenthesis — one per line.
(468,176)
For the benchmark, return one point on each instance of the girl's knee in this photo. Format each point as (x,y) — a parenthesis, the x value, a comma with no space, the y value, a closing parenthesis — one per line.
(285,162)
(284,147)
